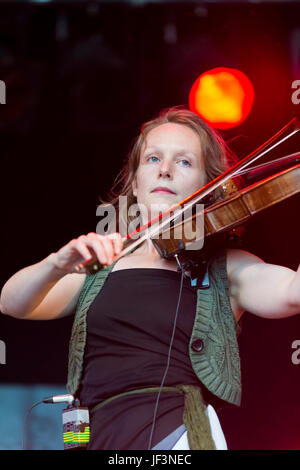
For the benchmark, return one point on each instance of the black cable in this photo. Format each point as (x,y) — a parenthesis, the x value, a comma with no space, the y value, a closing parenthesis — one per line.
(168,361)
(25,422)
(54,399)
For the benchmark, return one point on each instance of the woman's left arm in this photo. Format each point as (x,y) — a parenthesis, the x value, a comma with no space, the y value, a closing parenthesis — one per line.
(264,289)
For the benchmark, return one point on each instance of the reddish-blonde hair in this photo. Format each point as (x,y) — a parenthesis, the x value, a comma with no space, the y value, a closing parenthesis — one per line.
(217,156)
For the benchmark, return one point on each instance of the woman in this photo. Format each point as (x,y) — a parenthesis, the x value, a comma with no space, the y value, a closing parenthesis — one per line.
(151,355)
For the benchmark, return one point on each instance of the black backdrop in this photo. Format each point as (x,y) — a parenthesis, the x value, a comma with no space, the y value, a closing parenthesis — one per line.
(80,79)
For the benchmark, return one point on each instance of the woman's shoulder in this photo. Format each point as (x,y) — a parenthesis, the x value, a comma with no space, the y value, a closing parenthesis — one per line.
(237,259)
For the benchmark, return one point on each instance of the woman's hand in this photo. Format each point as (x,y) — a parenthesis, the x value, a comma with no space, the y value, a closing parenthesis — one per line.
(90,247)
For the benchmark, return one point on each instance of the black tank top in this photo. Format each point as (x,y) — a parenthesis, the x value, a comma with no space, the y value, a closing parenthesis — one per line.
(129,328)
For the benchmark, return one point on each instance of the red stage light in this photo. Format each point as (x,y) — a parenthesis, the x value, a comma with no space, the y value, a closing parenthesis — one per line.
(222,97)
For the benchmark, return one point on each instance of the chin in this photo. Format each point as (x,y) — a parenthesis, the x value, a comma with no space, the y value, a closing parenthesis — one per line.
(159,207)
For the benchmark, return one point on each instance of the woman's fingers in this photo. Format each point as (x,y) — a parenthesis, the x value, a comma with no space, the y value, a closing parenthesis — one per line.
(82,249)
(106,247)
(117,242)
(85,248)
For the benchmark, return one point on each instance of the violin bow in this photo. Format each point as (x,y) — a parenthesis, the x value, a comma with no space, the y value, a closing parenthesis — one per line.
(279,163)
(290,129)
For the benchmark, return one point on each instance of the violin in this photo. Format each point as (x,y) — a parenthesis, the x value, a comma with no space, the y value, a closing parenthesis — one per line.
(221,219)
(236,209)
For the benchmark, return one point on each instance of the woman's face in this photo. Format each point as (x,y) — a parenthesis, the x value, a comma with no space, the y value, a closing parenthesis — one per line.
(171,158)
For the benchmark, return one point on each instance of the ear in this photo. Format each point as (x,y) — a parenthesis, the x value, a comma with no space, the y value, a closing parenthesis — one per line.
(134,187)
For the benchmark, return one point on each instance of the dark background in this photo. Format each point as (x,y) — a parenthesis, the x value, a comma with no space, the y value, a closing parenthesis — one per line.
(81,77)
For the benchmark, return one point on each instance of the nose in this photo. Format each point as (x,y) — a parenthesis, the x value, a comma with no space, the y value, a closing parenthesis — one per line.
(165,170)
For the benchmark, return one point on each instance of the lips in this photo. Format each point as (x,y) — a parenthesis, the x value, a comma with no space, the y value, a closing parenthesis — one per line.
(162,189)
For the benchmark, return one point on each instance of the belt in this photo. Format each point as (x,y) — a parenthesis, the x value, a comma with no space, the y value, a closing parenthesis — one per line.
(195,415)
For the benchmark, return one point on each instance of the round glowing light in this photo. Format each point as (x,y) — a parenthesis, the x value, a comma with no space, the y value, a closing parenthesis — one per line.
(223,97)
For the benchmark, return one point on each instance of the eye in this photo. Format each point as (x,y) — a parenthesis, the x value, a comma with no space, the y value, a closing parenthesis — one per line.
(184,162)
(151,158)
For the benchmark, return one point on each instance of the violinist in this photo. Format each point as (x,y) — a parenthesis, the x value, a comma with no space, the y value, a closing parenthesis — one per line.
(152,356)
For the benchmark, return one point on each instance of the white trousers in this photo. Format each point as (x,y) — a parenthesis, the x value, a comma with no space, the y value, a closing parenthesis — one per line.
(216,430)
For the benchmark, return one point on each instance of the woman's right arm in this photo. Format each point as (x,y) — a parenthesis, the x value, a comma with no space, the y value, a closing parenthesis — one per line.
(50,288)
